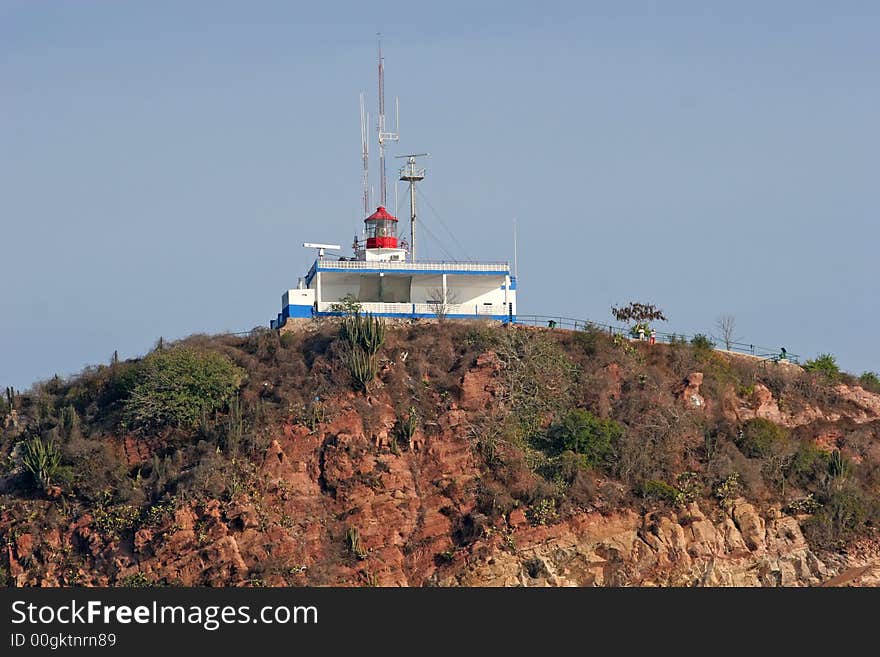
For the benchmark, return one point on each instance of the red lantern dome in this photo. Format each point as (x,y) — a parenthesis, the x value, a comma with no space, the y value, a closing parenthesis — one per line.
(381,228)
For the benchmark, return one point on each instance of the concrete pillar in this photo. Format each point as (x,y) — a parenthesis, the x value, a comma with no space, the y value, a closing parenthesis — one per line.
(318,290)
(444,291)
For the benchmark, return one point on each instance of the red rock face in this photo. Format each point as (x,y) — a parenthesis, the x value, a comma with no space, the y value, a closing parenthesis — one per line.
(314,488)
(477,386)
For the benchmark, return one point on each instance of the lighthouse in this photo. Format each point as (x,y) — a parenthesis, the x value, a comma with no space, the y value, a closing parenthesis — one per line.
(385,277)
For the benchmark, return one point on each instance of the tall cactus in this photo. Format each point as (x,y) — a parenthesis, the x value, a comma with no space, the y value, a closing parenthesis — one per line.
(364,336)
(838,467)
(362,366)
(373,331)
(353,540)
(365,332)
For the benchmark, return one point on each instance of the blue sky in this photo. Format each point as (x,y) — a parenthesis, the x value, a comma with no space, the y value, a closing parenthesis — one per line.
(162,162)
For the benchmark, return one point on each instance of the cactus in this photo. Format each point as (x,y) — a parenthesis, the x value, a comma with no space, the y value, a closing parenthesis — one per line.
(406,427)
(373,334)
(362,366)
(41,460)
(838,467)
(10,397)
(353,540)
(234,426)
(364,332)
(69,421)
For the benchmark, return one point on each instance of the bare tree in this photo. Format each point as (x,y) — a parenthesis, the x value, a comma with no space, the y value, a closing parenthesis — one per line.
(727,327)
(441,305)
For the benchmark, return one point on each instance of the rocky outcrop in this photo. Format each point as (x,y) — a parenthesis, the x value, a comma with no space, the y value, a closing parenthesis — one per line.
(734,548)
(689,391)
(862,407)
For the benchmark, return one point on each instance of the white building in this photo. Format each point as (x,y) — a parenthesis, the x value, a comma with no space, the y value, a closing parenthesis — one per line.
(388,284)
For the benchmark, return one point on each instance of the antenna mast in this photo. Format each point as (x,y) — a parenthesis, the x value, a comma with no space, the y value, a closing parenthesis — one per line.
(383,135)
(365,154)
(515,258)
(412,175)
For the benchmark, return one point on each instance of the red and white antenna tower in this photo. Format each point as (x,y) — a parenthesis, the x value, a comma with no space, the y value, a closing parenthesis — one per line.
(365,154)
(383,134)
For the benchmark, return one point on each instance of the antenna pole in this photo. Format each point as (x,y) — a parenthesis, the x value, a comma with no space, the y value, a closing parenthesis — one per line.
(515,258)
(412,213)
(365,155)
(410,174)
(381,126)
(382,134)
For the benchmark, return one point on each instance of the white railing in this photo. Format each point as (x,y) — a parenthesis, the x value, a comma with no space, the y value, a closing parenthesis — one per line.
(421,308)
(413,266)
(370,307)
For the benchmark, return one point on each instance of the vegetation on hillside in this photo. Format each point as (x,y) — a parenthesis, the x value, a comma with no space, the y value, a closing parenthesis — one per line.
(580,421)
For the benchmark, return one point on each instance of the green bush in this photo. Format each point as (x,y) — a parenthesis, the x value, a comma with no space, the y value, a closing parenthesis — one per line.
(583,433)
(810,462)
(42,461)
(660,490)
(135,581)
(702,343)
(542,512)
(760,437)
(847,514)
(178,386)
(728,490)
(870,380)
(825,364)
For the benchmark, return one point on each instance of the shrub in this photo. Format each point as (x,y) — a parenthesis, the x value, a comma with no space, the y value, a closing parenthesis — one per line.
(407,426)
(583,433)
(135,581)
(537,377)
(760,437)
(42,460)
(660,490)
(689,485)
(177,387)
(542,512)
(825,364)
(807,505)
(702,344)
(870,380)
(810,462)
(728,489)
(846,515)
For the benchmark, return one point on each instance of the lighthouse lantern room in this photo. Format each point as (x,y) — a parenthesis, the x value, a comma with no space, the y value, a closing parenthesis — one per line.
(380,230)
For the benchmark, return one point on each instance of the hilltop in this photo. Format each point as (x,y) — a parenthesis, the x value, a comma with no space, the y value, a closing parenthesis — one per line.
(440,453)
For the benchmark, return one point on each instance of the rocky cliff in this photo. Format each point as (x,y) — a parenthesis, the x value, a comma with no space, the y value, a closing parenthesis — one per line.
(341,498)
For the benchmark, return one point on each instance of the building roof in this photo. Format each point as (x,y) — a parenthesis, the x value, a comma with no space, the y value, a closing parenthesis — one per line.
(381,213)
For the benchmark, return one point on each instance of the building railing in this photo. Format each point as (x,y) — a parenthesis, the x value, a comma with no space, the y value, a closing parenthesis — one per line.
(764,353)
(421,308)
(412,266)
